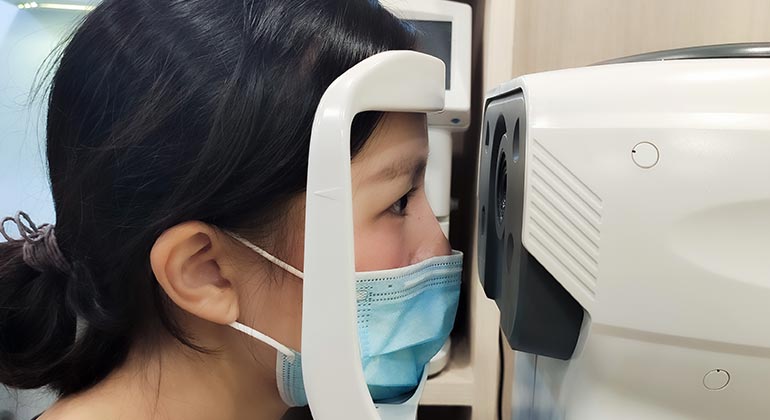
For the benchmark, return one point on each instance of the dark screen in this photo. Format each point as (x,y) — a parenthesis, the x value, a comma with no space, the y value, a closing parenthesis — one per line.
(435,38)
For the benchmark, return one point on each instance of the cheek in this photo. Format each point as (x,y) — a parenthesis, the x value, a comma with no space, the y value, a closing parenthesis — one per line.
(380,248)
(274,307)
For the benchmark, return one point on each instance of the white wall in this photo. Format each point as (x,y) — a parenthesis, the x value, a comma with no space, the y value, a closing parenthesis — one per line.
(26,38)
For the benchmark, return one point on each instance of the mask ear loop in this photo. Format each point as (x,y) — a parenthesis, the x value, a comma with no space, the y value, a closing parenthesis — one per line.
(288,268)
(265,339)
(251,331)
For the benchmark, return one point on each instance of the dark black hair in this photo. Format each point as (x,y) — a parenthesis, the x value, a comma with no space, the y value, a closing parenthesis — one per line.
(160,112)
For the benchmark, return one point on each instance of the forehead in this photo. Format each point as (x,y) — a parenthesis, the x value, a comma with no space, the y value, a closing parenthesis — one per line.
(397,136)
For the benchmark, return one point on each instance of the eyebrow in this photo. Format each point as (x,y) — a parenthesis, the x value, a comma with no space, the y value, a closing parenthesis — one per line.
(413,167)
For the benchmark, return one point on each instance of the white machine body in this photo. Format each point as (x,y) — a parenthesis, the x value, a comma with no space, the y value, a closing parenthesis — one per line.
(647,197)
(450,42)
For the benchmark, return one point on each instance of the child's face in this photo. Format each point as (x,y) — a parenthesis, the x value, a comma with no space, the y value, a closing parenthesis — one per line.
(394,224)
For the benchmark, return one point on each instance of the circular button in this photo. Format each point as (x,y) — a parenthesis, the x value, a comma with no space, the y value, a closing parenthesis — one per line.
(645,155)
(716,379)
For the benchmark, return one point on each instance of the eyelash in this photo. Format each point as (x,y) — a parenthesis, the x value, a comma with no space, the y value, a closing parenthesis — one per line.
(405,200)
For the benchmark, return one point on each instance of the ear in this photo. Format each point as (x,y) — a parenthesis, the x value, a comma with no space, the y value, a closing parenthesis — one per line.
(186,260)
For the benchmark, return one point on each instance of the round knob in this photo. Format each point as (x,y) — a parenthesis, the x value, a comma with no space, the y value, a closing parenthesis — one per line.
(716,379)
(645,155)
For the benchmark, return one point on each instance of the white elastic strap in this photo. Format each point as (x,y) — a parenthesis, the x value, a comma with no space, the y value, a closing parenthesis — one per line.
(265,339)
(266,255)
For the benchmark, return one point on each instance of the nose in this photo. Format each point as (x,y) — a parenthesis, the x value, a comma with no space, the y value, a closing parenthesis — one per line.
(431,241)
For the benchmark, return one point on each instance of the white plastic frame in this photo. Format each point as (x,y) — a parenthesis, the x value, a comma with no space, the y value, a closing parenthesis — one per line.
(404,81)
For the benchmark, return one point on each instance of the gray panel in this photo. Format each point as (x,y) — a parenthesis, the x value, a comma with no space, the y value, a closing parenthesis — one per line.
(435,38)
(743,50)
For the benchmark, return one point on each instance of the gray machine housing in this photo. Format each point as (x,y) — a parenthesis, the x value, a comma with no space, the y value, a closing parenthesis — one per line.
(536,314)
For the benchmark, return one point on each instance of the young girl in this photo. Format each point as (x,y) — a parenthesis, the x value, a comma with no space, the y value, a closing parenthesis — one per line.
(177,143)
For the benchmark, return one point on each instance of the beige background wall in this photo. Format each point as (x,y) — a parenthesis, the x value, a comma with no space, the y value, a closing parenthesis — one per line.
(554,34)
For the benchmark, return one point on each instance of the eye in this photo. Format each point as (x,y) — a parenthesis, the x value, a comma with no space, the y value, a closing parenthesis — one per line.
(399,207)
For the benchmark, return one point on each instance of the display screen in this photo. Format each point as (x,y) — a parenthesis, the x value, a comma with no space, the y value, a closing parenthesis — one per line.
(435,38)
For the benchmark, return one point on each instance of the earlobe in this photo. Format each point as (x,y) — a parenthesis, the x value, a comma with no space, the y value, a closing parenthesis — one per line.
(186,261)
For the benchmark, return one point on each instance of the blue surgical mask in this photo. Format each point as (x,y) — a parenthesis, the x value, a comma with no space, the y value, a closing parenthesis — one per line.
(404,317)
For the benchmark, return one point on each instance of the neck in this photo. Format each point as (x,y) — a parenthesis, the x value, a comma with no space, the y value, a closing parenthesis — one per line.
(181,383)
